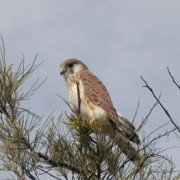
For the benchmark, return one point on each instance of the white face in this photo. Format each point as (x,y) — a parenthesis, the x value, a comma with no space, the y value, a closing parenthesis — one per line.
(77,68)
(69,68)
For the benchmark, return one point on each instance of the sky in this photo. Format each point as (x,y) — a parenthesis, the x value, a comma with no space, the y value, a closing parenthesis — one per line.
(119,40)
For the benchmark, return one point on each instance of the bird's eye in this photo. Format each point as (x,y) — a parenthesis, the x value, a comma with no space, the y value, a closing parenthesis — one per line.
(70,65)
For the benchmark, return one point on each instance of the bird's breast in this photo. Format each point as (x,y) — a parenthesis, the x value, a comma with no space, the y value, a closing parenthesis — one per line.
(88,109)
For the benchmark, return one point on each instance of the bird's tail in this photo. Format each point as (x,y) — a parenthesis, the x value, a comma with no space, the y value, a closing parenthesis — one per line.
(127,148)
(127,129)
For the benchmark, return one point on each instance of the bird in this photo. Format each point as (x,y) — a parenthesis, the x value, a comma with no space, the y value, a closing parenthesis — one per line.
(88,94)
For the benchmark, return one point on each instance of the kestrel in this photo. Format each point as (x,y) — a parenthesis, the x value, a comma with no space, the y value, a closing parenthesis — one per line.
(86,89)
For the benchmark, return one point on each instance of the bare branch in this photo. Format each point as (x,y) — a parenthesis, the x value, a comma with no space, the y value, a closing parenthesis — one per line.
(173,79)
(162,106)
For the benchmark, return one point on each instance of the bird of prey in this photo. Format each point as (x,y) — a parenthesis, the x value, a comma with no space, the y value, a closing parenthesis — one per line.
(96,103)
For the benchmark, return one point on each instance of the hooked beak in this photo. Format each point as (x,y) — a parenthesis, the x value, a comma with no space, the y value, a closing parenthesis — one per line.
(62,71)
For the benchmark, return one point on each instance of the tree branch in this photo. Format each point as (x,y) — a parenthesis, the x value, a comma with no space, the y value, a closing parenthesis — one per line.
(172,77)
(162,106)
(58,163)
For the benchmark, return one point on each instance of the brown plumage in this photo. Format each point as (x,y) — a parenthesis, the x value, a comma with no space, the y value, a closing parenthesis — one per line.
(96,104)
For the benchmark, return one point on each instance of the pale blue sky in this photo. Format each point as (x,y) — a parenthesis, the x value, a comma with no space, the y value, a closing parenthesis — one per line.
(119,40)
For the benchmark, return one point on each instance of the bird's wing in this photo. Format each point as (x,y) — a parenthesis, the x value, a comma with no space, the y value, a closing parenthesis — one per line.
(97,93)
(95,90)
(128,129)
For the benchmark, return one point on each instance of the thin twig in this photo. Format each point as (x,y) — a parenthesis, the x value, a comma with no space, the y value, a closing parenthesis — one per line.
(79,98)
(46,172)
(162,106)
(136,112)
(173,80)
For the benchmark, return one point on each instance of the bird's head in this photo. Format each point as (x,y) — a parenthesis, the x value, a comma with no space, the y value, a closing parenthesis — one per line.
(71,66)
